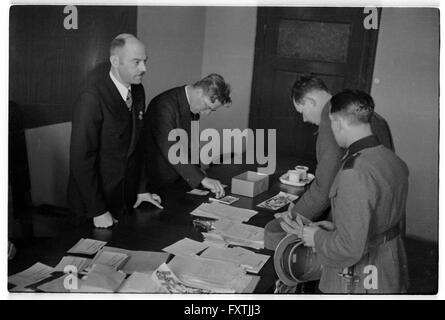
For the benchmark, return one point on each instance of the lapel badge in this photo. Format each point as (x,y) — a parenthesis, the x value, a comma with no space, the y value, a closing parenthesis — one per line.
(141,115)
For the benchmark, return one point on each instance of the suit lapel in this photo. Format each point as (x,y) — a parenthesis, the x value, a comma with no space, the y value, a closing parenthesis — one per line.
(114,100)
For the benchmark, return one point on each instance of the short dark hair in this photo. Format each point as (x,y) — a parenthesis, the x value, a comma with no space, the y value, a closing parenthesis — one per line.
(305,84)
(119,41)
(356,105)
(216,88)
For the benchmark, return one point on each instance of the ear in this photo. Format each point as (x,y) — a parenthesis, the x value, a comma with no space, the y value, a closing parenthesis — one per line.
(311,101)
(199,92)
(114,60)
(336,122)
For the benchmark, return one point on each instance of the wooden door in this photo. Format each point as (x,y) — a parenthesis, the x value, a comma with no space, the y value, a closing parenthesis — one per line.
(330,43)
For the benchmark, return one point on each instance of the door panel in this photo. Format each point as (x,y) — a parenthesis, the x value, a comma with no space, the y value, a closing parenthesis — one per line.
(330,43)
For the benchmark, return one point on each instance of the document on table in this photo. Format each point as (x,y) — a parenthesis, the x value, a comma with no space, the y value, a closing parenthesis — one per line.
(87,246)
(278,201)
(101,278)
(34,274)
(216,210)
(246,259)
(208,274)
(233,229)
(169,283)
(79,263)
(108,258)
(54,286)
(186,246)
(140,261)
(140,282)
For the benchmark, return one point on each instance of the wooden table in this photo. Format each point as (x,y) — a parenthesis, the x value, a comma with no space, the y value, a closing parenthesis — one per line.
(151,229)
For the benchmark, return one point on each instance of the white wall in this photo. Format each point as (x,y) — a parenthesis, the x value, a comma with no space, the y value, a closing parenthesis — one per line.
(229,48)
(174,38)
(407,68)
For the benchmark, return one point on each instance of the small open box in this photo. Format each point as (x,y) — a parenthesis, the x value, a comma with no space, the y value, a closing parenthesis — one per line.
(250,183)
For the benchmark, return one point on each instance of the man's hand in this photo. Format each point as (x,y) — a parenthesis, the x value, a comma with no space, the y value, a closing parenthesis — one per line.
(105,220)
(281,214)
(308,235)
(292,226)
(149,197)
(214,186)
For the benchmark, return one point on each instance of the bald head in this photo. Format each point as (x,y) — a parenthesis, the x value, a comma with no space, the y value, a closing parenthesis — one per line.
(128,58)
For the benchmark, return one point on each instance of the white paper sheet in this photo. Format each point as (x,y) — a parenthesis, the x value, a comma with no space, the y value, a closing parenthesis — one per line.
(246,259)
(34,274)
(87,246)
(216,210)
(186,246)
(109,258)
(54,286)
(79,263)
(140,261)
(101,278)
(139,282)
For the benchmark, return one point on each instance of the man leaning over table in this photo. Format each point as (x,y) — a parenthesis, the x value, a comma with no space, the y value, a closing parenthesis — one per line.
(175,109)
(311,98)
(106,178)
(361,250)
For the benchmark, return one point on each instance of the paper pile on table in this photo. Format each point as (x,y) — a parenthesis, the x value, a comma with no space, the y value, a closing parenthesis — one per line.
(216,210)
(246,259)
(210,275)
(236,233)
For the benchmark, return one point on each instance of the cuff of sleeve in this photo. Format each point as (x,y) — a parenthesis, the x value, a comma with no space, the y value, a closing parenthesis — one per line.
(319,238)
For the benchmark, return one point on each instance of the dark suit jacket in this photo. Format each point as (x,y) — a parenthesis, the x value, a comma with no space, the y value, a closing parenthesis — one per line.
(168,111)
(105,154)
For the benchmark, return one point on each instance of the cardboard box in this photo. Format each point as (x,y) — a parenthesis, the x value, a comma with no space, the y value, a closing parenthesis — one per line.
(250,183)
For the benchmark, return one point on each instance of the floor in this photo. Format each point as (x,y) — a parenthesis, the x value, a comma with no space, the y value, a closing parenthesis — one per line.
(47,222)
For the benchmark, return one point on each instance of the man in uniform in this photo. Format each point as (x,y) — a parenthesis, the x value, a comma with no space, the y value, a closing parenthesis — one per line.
(311,98)
(361,250)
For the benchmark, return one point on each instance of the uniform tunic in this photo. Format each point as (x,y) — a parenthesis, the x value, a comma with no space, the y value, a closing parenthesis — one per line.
(368,197)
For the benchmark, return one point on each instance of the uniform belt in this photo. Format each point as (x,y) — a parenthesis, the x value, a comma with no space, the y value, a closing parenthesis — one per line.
(384,237)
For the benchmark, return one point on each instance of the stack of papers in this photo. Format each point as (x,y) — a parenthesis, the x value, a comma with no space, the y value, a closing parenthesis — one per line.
(250,261)
(216,210)
(215,276)
(34,274)
(140,261)
(236,233)
(168,281)
(109,258)
(87,246)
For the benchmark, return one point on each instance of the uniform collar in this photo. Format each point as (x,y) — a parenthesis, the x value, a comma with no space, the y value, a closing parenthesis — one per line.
(123,91)
(364,143)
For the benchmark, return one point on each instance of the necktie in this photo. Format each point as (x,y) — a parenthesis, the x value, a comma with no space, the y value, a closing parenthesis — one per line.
(129,100)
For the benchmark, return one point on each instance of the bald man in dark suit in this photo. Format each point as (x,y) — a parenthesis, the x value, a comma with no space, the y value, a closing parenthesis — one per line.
(106,173)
